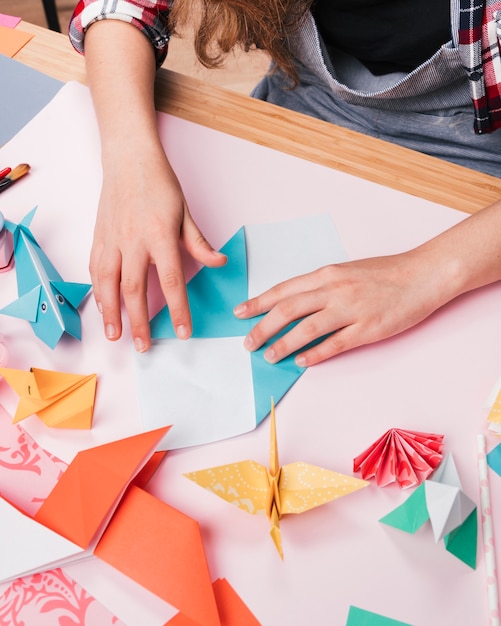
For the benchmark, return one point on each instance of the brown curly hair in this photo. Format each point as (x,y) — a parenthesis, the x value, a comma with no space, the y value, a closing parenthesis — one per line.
(221,25)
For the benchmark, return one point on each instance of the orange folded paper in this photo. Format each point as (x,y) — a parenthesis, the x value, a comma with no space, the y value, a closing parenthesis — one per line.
(232,610)
(292,488)
(162,550)
(60,400)
(12,40)
(90,489)
(99,506)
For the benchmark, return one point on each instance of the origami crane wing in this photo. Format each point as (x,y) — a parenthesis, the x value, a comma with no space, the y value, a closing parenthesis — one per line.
(45,300)
(293,488)
(244,484)
(60,400)
(304,487)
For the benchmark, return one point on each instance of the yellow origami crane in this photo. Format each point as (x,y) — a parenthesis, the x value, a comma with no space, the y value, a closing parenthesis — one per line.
(59,399)
(293,488)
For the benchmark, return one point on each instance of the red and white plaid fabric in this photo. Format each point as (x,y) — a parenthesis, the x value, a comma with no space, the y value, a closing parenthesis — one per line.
(479,47)
(150,16)
(479,43)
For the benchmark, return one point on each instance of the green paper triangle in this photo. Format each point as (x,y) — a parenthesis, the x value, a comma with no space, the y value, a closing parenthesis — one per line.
(360,617)
(410,515)
(462,541)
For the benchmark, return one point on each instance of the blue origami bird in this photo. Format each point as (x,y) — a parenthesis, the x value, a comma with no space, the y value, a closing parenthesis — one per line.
(45,300)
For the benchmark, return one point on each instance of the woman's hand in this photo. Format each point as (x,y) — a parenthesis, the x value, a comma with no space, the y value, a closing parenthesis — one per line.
(142,218)
(361,302)
(351,304)
(142,214)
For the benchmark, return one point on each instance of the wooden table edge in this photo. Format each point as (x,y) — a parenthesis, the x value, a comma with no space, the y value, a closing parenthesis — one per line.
(281,129)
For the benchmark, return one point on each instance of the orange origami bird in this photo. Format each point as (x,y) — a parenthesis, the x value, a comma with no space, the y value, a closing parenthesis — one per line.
(292,488)
(59,399)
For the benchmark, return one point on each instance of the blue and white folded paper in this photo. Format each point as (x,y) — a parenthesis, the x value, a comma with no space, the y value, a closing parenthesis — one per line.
(45,300)
(210,387)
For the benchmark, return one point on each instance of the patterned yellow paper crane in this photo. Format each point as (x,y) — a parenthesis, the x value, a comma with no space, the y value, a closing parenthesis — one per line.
(277,491)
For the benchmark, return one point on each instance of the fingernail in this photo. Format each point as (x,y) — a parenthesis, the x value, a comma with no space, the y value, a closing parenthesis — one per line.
(270,355)
(182,332)
(99,307)
(110,331)
(300,361)
(248,343)
(239,309)
(139,344)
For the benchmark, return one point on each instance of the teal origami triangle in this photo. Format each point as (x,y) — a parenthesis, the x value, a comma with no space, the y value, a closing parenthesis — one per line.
(410,515)
(271,380)
(462,541)
(28,218)
(212,295)
(25,307)
(494,459)
(360,617)
(74,293)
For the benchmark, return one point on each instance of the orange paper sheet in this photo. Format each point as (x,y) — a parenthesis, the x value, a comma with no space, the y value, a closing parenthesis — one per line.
(12,40)
(161,549)
(89,489)
(232,610)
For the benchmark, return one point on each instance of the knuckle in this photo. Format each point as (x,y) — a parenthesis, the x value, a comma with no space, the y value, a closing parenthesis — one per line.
(257,335)
(327,272)
(286,308)
(280,347)
(103,272)
(130,287)
(334,344)
(171,280)
(310,327)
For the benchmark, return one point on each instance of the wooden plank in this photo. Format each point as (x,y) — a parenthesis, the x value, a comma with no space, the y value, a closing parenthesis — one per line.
(290,132)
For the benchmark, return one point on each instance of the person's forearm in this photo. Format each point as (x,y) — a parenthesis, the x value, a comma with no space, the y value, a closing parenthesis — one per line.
(466,256)
(121,73)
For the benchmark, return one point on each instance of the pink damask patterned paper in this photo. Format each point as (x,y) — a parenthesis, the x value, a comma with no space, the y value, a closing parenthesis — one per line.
(27,475)
(27,472)
(52,599)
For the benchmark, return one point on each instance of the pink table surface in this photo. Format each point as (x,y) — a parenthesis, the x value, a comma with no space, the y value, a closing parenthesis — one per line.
(434,378)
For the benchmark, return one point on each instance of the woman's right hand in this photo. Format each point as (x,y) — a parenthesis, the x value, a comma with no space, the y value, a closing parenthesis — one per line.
(142,220)
(142,215)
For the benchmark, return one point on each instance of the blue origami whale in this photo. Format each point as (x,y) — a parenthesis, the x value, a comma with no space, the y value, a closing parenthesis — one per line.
(45,300)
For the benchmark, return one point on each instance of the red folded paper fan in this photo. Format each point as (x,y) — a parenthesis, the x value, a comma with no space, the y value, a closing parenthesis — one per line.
(401,456)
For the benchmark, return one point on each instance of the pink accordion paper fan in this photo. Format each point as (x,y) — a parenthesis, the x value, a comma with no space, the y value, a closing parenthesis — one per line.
(402,456)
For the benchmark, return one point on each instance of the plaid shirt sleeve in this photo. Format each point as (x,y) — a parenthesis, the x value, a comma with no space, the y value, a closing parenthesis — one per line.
(149,16)
(480,51)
